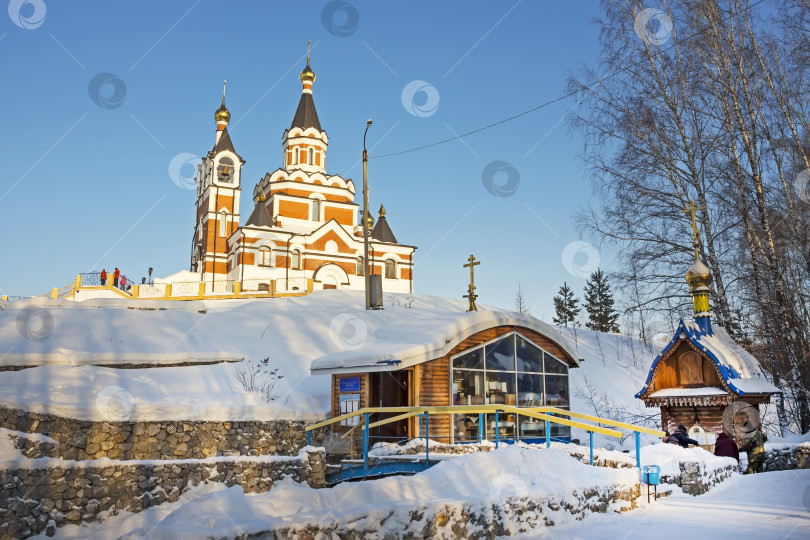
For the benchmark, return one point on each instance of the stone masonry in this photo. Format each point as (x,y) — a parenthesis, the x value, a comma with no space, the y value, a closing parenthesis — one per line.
(40,496)
(86,440)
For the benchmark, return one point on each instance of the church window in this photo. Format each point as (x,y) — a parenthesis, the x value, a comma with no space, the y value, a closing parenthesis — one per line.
(316,210)
(311,156)
(225,170)
(265,256)
(295,160)
(360,269)
(391,269)
(223,224)
(295,260)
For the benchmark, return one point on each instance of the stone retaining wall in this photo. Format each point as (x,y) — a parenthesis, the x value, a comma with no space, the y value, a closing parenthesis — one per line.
(511,516)
(85,440)
(40,496)
(695,479)
(782,459)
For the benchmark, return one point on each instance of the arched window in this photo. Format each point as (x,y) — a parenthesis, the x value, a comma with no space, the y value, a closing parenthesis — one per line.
(391,269)
(295,260)
(296,155)
(225,170)
(316,209)
(265,256)
(360,269)
(223,224)
(311,156)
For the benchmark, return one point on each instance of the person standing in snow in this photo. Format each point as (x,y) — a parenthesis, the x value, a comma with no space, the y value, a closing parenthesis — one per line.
(680,437)
(726,447)
(115,277)
(123,283)
(755,447)
(103,277)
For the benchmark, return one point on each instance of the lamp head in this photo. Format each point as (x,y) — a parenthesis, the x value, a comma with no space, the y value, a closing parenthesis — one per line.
(369,122)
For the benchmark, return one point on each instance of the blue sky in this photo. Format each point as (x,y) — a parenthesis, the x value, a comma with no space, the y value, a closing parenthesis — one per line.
(84,187)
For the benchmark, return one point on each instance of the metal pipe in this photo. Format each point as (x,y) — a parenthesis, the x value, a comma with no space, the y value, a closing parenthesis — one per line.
(591,436)
(480,427)
(548,433)
(365,444)
(496,430)
(638,449)
(366,276)
(427,439)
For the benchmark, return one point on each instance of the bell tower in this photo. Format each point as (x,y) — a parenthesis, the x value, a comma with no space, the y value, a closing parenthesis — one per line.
(218,192)
(304,144)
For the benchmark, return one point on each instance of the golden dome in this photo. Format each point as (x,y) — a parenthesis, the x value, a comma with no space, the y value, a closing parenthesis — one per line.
(307,75)
(222,114)
(698,276)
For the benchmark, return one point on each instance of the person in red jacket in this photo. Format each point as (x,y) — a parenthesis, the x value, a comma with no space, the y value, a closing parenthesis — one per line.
(115,277)
(725,446)
(103,277)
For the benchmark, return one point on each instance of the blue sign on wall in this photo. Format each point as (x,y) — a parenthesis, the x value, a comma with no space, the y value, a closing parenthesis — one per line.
(350,384)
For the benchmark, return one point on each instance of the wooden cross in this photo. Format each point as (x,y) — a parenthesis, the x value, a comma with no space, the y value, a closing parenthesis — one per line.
(692,209)
(471,287)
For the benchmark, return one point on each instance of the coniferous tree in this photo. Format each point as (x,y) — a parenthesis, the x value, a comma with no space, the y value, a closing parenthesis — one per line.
(520,301)
(599,304)
(566,307)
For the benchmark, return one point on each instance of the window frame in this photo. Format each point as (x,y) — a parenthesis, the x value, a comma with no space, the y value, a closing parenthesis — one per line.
(268,261)
(390,269)
(295,259)
(514,375)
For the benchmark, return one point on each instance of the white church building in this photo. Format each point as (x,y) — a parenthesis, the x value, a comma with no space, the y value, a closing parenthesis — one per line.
(304,224)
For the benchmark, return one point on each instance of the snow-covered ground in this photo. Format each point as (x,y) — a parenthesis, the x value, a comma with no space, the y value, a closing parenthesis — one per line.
(752,507)
(326,324)
(771,505)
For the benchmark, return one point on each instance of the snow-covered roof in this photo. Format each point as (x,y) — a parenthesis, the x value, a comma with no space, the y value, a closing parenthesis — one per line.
(406,338)
(739,369)
(688,392)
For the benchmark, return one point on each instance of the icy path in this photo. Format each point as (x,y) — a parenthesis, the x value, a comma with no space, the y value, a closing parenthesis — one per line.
(770,505)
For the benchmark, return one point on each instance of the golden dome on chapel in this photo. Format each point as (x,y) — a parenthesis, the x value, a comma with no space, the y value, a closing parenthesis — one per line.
(698,276)
(307,75)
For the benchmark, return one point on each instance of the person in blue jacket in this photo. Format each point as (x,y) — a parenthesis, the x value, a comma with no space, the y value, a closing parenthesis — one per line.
(680,437)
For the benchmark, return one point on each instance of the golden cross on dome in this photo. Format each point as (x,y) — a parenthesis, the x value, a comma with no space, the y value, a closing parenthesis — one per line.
(309,42)
(692,209)
(471,287)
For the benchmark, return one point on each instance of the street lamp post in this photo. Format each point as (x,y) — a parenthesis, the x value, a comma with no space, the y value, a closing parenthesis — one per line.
(366,276)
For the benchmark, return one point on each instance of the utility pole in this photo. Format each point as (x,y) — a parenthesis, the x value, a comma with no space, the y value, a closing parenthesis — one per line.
(366,276)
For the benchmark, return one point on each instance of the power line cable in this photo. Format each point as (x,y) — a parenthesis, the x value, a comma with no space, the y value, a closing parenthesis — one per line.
(553,101)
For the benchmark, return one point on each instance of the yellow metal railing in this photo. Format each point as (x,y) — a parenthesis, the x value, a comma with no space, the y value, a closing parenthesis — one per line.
(548,414)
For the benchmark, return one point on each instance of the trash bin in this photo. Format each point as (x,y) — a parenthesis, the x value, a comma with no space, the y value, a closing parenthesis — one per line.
(651,475)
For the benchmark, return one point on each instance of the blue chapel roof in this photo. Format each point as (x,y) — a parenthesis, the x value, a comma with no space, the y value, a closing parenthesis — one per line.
(740,370)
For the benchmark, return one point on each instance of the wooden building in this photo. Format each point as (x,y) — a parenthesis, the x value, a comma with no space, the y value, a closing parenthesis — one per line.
(484,357)
(702,370)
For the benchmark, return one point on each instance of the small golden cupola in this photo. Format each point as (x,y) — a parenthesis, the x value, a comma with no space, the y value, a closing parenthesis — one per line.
(699,279)
(307,75)
(223,115)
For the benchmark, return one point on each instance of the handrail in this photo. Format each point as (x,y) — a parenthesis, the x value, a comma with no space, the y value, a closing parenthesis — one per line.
(462,409)
(614,423)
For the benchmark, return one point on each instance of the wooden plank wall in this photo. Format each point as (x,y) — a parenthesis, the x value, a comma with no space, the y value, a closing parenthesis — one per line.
(709,418)
(365,396)
(668,370)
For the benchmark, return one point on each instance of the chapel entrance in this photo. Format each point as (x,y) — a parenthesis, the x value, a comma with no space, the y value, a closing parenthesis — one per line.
(390,389)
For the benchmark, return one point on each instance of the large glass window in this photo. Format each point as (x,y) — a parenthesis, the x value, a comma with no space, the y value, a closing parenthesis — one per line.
(510,370)
(501,354)
(470,360)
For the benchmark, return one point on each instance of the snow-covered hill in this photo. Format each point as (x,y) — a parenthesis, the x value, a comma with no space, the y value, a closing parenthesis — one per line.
(328,322)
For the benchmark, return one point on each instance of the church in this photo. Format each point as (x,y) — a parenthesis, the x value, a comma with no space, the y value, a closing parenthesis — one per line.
(304,226)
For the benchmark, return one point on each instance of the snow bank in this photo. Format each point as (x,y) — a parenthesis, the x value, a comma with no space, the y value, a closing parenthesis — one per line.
(477,483)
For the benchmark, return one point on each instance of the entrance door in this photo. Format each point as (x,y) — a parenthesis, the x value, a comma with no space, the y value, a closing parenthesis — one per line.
(389,389)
